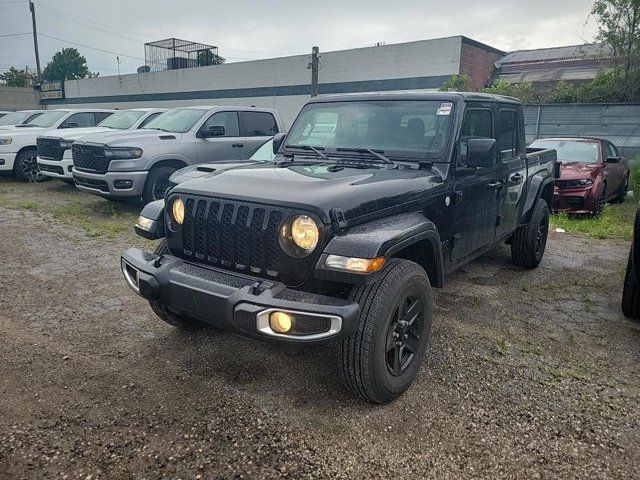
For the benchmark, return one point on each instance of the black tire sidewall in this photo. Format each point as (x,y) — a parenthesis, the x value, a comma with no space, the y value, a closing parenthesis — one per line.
(155,174)
(17,167)
(543,216)
(415,285)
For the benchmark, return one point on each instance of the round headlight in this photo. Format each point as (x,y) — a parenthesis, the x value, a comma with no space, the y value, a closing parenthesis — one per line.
(305,233)
(177,210)
(299,236)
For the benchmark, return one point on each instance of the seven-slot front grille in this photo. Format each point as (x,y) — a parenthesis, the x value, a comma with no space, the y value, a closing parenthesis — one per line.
(50,148)
(90,158)
(233,235)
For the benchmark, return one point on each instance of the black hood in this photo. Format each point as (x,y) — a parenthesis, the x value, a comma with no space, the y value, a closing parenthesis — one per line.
(320,187)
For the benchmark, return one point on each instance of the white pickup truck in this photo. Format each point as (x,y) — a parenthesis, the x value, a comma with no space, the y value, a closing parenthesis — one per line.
(54,148)
(21,117)
(18,151)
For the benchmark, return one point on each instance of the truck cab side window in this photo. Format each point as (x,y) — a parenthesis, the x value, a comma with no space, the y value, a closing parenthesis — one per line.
(509,138)
(228,120)
(259,124)
(80,120)
(477,123)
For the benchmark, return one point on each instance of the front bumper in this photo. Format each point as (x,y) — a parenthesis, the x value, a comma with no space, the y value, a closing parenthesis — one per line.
(104,184)
(575,200)
(233,302)
(6,161)
(56,168)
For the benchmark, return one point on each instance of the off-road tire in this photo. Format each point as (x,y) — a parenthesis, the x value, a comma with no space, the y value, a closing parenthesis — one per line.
(363,356)
(601,202)
(157,177)
(529,241)
(179,321)
(18,168)
(631,291)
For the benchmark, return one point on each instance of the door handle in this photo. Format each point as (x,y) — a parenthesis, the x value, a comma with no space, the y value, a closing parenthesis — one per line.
(516,178)
(237,145)
(494,185)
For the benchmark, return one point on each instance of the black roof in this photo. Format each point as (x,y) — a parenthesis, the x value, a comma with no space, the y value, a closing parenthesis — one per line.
(438,96)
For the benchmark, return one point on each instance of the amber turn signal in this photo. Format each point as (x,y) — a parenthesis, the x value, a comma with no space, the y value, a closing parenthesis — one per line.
(361,265)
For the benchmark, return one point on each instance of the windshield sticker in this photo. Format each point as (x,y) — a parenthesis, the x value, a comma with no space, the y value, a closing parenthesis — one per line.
(445,108)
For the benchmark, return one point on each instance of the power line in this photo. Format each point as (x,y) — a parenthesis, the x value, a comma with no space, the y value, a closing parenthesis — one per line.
(89,47)
(14,34)
(84,19)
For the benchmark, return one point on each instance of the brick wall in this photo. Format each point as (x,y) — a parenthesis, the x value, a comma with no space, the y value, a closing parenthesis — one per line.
(478,63)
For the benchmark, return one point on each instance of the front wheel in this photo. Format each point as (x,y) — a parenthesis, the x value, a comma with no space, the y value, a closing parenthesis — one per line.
(631,291)
(530,241)
(26,167)
(157,183)
(381,360)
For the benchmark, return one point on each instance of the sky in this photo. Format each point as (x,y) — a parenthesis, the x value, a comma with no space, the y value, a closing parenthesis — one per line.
(246,30)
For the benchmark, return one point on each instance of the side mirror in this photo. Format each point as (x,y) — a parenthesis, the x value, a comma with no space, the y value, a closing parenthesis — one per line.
(69,125)
(277,141)
(481,152)
(215,131)
(613,159)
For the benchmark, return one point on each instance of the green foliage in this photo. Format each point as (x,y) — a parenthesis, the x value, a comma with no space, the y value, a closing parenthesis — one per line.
(16,78)
(564,92)
(526,92)
(457,83)
(207,57)
(67,64)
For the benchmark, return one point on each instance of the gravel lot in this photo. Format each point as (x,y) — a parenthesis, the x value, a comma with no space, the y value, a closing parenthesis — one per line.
(531,374)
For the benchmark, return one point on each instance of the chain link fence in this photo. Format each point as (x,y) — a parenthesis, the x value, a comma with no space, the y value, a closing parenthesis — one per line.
(618,123)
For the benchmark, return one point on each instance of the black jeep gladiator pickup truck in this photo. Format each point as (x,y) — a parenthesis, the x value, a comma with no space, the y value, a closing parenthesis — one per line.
(370,201)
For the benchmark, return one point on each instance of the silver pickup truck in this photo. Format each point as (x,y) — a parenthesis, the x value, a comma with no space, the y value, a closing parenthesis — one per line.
(134,164)
(54,149)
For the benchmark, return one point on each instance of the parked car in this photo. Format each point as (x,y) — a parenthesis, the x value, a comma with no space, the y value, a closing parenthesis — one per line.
(18,149)
(54,150)
(16,119)
(342,236)
(631,289)
(139,164)
(592,173)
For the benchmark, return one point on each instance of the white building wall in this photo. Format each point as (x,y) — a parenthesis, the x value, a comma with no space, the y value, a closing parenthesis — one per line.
(280,83)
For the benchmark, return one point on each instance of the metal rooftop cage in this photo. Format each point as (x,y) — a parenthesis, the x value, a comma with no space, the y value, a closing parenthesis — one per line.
(173,54)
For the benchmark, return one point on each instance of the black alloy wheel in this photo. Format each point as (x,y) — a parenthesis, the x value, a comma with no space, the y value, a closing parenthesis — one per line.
(403,336)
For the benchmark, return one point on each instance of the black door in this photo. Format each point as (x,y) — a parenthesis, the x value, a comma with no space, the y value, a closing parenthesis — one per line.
(475,189)
(513,168)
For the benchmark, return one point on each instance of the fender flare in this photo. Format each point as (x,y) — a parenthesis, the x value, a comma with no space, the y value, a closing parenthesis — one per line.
(536,189)
(385,237)
(154,211)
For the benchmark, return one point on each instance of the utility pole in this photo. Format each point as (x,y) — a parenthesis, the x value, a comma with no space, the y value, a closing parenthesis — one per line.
(32,9)
(314,67)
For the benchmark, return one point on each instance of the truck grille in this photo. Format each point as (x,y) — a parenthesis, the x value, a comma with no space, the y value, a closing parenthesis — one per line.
(50,148)
(237,236)
(89,158)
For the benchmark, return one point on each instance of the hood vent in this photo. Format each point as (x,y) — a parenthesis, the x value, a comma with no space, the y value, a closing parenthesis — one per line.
(167,137)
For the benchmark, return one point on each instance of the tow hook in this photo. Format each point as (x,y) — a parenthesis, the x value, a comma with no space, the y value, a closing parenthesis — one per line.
(258,287)
(157,263)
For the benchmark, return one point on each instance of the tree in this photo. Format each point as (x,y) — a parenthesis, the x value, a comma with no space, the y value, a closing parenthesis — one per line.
(207,57)
(619,27)
(67,64)
(526,92)
(16,78)
(457,83)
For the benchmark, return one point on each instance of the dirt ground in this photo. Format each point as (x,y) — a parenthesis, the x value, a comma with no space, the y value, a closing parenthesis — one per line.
(530,374)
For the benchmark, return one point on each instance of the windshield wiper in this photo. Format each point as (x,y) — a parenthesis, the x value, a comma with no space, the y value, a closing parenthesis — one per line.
(376,153)
(315,150)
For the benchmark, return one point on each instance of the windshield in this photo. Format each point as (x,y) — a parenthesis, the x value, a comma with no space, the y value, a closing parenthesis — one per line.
(178,121)
(403,129)
(121,120)
(571,151)
(262,153)
(12,118)
(47,119)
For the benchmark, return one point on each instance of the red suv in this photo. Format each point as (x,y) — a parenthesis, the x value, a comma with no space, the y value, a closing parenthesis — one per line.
(592,174)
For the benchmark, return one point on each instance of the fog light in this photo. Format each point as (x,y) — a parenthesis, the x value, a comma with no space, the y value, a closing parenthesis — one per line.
(123,184)
(280,322)
(1,161)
